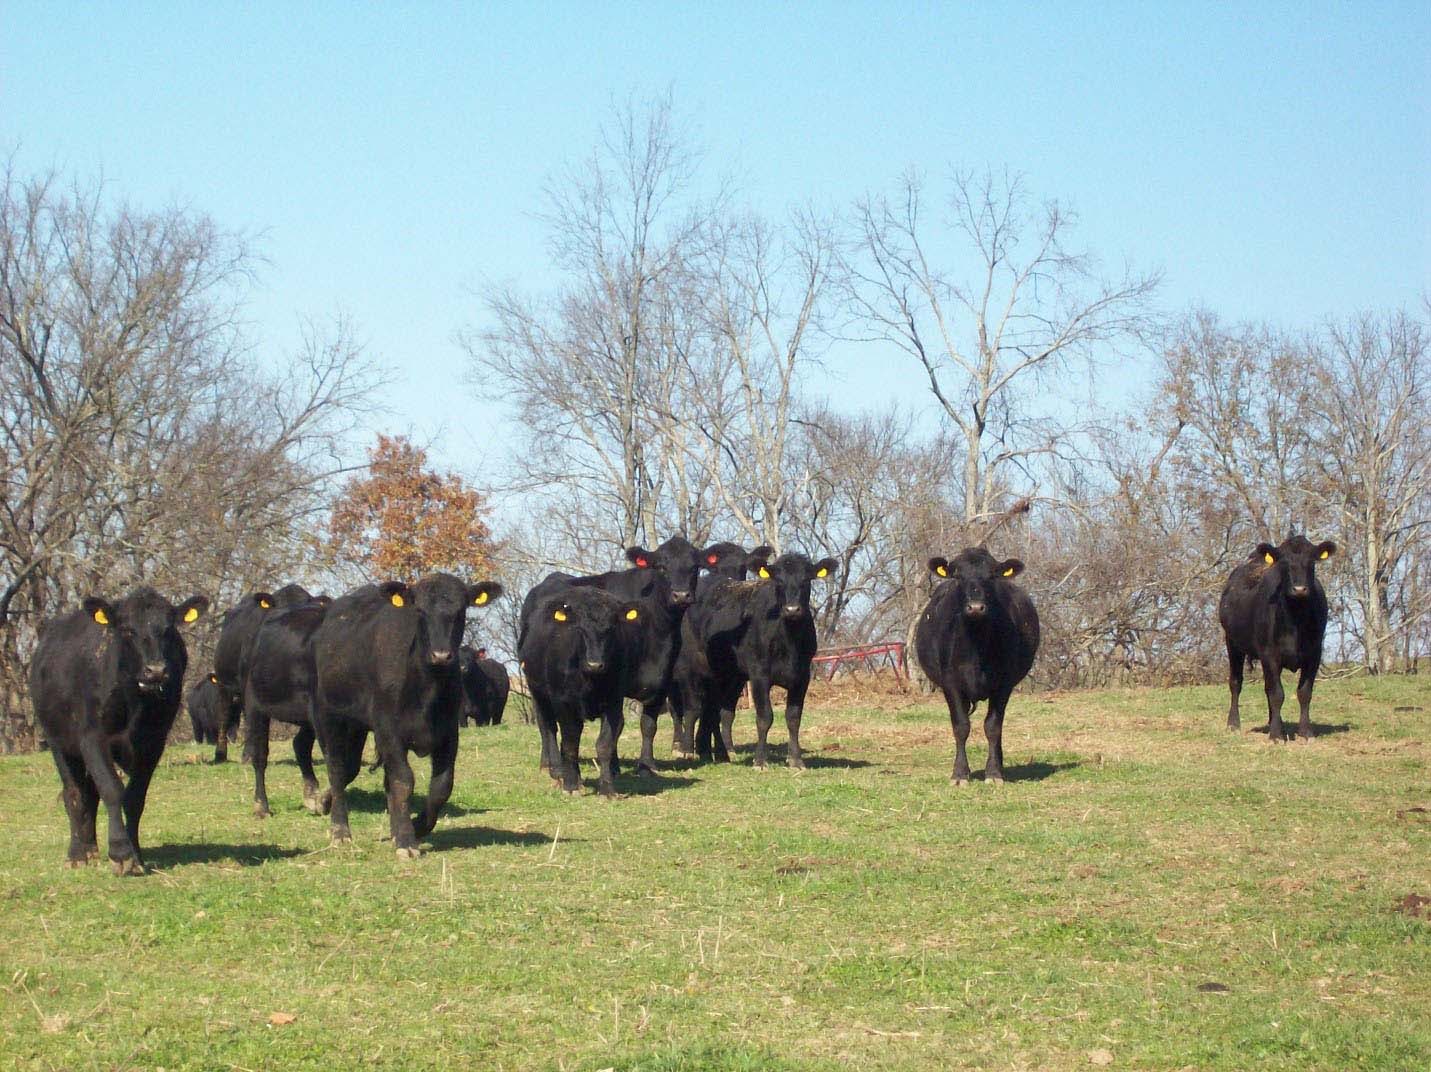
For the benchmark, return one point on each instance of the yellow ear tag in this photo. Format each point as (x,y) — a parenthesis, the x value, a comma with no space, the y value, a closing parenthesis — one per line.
(192,614)
(397,600)
(265,604)
(213,679)
(101,617)
(631,615)
(479,599)
(1325,554)
(1268,559)
(1009,572)
(941,571)
(764,572)
(559,615)
(822,572)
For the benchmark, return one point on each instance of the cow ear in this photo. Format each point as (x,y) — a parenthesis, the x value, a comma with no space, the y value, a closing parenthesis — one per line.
(1326,549)
(826,567)
(192,609)
(398,593)
(1266,552)
(323,600)
(757,558)
(483,592)
(639,557)
(939,566)
(100,610)
(263,599)
(1010,567)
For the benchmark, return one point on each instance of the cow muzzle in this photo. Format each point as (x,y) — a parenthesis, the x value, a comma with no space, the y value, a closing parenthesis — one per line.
(1299,591)
(976,611)
(440,658)
(792,613)
(593,666)
(153,677)
(682,599)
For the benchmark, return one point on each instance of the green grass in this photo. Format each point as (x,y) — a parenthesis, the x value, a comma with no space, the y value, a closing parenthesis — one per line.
(862,914)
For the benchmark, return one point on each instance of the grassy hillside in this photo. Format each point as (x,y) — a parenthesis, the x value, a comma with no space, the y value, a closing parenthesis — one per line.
(1147,891)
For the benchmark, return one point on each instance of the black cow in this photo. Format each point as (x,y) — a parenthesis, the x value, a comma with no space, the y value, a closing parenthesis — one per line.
(574,652)
(665,580)
(385,658)
(723,562)
(236,632)
(760,632)
(278,686)
(485,687)
(1273,609)
(976,640)
(206,712)
(106,683)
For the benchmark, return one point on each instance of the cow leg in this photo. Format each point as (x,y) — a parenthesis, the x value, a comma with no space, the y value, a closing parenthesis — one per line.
(439,786)
(611,725)
(650,713)
(221,743)
(547,728)
(959,719)
(343,755)
(303,753)
(568,761)
(764,717)
(618,723)
(136,793)
(1305,682)
(994,735)
(201,735)
(398,780)
(1236,661)
(1272,681)
(794,709)
(686,703)
(258,727)
(81,800)
(101,769)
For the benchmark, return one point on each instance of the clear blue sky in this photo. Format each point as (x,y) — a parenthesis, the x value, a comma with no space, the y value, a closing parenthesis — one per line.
(1274,160)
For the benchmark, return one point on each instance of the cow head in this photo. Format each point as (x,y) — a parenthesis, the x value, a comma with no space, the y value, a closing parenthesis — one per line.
(1294,563)
(678,561)
(589,621)
(790,576)
(732,561)
(147,625)
(443,601)
(291,595)
(974,575)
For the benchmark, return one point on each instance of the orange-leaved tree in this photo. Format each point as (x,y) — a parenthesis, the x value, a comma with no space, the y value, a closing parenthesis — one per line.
(403,520)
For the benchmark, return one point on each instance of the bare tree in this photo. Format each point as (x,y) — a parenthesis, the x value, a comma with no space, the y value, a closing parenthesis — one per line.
(1021,314)
(138,440)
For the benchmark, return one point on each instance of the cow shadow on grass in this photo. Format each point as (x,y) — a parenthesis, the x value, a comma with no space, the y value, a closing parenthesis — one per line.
(629,783)
(1036,771)
(1318,729)
(163,857)
(476,837)
(776,754)
(376,800)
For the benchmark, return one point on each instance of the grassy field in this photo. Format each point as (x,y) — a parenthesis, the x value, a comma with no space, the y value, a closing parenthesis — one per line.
(1147,891)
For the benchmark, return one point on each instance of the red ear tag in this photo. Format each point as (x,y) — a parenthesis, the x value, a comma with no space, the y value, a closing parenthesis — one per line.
(712,559)
(642,563)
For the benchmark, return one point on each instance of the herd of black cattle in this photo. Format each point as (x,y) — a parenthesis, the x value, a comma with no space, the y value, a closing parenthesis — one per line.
(682,629)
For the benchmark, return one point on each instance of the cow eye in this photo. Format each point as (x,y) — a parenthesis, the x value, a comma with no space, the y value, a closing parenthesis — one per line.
(559,615)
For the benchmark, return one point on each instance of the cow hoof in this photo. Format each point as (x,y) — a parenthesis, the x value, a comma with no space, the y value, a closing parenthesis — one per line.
(643,771)
(314,805)
(75,865)
(130,865)
(327,802)
(959,783)
(795,764)
(996,780)
(409,853)
(570,792)
(221,759)
(341,839)
(260,811)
